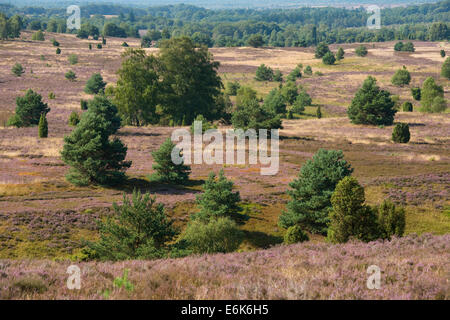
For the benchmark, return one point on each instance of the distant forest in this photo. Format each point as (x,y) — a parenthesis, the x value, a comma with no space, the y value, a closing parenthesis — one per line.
(239,27)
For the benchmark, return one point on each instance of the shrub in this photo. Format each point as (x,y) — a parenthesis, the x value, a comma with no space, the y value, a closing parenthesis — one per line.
(70,75)
(278,76)
(318,73)
(311,192)
(429,92)
(255,41)
(290,92)
(99,46)
(74,119)
(90,46)
(308,70)
(329,58)
(445,71)
(206,125)
(442,53)
(231,88)
(216,235)
(274,102)
(295,234)
(318,113)
(30,285)
(371,105)
(73,59)
(439,105)
(416,93)
(407,106)
(391,220)
(43,126)
(401,77)
(138,229)
(350,217)
(17,69)
(93,157)
(84,105)
(361,51)
(408,47)
(38,36)
(295,74)
(103,40)
(166,169)
(264,73)
(124,44)
(95,84)
(398,46)
(28,110)
(340,54)
(218,199)
(55,43)
(321,50)
(401,134)
(58,51)
(51,96)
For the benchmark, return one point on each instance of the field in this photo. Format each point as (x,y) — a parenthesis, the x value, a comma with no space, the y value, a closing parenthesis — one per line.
(44,217)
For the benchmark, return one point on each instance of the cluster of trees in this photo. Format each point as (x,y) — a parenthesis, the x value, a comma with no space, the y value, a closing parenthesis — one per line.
(408,47)
(325,199)
(10,27)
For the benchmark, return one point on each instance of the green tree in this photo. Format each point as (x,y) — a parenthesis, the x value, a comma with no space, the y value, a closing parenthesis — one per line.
(231,88)
(205,124)
(43,126)
(439,105)
(290,92)
(340,54)
(442,53)
(401,134)
(416,93)
(38,36)
(274,102)
(255,41)
(93,157)
(361,51)
(137,90)
(251,115)
(58,51)
(321,50)
(29,109)
(391,220)
(95,84)
(407,107)
(308,71)
(311,192)
(401,78)
(166,169)
(319,113)
(329,58)
(190,79)
(430,90)
(74,119)
(295,74)
(303,99)
(445,71)
(17,69)
(138,229)
(295,234)
(264,73)
(218,199)
(371,105)
(350,217)
(278,76)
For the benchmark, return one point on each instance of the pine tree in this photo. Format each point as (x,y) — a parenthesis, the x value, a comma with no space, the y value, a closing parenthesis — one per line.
(401,134)
(311,192)
(319,113)
(43,126)
(430,91)
(217,199)
(166,169)
(74,119)
(93,157)
(401,77)
(29,110)
(95,84)
(17,69)
(340,54)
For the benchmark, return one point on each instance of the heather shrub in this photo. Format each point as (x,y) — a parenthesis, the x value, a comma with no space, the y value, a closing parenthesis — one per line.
(218,199)
(217,235)
(74,119)
(137,229)
(329,58)
(95,84)
(29,109)
(70,75)
(407,106)
(264,73)
(92,156)
(401,77)
(350,217)
(30,285)
(17,69)
(401,134)
(43,126)
(166,169)
(295,234)
(361,51)
(371,105)
(311,192)
(391,220)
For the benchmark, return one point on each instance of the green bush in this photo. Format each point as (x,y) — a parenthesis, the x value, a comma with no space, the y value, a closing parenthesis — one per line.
(51,96)
(295,234)
(361,51)
(295,74)
(206,125)
(321,50)
(340,54)
(99,46)
(166,169)
(216,235)
(308,71)
(124,44)
(290,92)
(445,71)
(55,43)
(17,69)
(318,113)
(264,73)
(84,105)
(401,134)
(58,51)
(278,76)
(310,193)
(329,58)
(391,220)
(70,75)
(232,87)
(401,77)
(442,53)
(43,126)
(275,103)
(407,106)
(350,217)
(439,105)
(38,36)
(29,109)
(74,119)
(138,229)
(429,92)
(416,93)
(73,59)
(95,84)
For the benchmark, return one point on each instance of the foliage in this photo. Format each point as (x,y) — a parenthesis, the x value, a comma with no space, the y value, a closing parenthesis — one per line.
(138,229)
(401,77)
(295,234)
(321,50)
(83,104)
(55,43)
(445,71)
(430,90)
(391,220)
(442,53)
(74,119)
(58,51)
(93,157)
(275,103)
(361,51)
(340,54)
(70,75)
(301,101)
(290,92)
(329,58)
(51,96)
(231,88)
(407,47)
(439,104)
(17,69)
(216,235)
(73,59)
(166,169)
(95,84)
(416,93)
(371,105)
(251,115)
(29,109)
(43,126)
(295,74)
(278,76)
(318,113)
(350,217)
(308,71)
(407,106)
(311,192)
(205,124)
(401,134)
(38,36)
(255,41)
